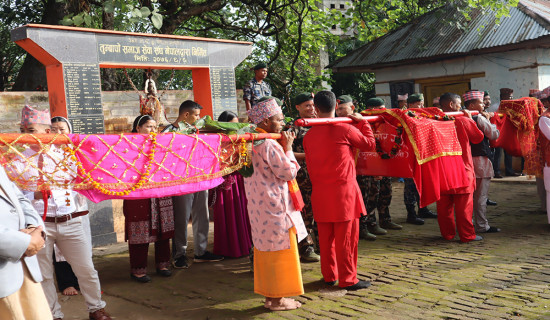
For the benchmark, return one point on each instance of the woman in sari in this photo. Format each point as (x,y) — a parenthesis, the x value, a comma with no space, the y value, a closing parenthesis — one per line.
(231,225)
(147,221)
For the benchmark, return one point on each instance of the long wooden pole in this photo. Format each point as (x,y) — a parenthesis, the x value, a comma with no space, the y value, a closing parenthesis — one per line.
(20,138)
(321,121)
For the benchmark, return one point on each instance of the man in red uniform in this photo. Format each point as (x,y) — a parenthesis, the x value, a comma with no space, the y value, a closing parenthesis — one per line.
(336,198)
(459,202)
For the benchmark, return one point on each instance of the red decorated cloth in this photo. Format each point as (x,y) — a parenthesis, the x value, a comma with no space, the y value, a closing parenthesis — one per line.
(430,152)
(519,131)
(428,137)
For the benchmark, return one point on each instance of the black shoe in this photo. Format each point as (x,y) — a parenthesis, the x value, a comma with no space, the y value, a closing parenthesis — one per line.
(329,283)
(181,263)
(498,176)
(362,284)
(164,273)
(426,213)
(491,203)
(492,230)
(415,220)
(143,279)
(208,257)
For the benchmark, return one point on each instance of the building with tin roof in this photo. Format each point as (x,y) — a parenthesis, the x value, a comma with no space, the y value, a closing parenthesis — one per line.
(433,55)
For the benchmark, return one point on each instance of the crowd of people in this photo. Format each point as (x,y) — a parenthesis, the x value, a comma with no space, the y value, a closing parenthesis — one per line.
(304,202)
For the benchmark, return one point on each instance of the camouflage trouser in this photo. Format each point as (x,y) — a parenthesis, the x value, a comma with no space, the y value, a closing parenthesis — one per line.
(307,216)
(410,194)
(377,194)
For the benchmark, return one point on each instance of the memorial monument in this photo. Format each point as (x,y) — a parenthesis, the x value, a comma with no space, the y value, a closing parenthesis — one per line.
(73,58)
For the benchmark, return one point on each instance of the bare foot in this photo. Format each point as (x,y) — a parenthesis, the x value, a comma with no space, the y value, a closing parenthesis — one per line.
(267,304)
(70,291)
(284,304)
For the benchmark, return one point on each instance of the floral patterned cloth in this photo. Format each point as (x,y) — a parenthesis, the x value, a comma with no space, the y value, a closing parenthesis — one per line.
(270,206)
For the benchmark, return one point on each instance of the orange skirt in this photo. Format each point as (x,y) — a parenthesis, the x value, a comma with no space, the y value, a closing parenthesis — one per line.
(277,273)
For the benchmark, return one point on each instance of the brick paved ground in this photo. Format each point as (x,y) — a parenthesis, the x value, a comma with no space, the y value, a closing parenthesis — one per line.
(414,274)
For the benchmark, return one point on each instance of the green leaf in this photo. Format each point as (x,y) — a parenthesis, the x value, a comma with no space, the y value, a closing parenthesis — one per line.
(136,13)
(77,20)
(157,20)
(88,20)
(145,12)
(67,21)
(108,7)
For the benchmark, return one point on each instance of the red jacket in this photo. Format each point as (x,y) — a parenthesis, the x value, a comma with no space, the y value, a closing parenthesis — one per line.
(467,131)
(330,161)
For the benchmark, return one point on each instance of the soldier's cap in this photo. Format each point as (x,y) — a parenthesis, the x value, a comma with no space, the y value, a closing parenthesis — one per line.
(415,97)
(344,99)
(279,102)
(259,66)
(374,102)
(303,97)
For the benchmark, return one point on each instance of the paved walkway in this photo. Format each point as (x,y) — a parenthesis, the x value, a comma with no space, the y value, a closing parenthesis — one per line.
(414,274)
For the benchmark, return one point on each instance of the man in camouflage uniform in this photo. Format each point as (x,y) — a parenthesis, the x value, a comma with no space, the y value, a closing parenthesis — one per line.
(306,109)
(410,193)
(256,88)
(377,195)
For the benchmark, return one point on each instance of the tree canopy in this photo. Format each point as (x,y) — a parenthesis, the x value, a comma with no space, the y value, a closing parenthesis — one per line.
(291,36)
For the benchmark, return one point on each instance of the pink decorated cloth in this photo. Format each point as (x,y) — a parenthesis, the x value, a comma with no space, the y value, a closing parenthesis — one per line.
(182,164)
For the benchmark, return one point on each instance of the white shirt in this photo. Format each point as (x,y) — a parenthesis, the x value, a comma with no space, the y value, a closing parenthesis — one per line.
(483,167)
(51,167)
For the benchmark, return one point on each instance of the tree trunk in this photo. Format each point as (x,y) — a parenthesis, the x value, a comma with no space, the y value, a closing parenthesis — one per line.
(32,75)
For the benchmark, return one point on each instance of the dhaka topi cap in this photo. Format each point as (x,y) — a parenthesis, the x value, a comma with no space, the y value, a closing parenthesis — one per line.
(263,110)
(485,93)
(472,95)
(259,66)
(506,91)
(435,100)
(402,97)
(374,102)
(344,98)
(29,115)
(545,93)
(279,102)
(303,97)
(415,97)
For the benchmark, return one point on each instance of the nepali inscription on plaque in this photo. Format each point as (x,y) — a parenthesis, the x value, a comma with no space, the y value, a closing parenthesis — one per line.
(156,51)
(83,96)
(222,81)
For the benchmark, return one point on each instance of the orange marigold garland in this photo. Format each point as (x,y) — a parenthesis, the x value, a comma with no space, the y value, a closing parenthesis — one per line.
(136,186)
(244,151)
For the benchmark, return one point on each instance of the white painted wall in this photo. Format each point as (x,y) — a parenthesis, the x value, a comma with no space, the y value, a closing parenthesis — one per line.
(496,67)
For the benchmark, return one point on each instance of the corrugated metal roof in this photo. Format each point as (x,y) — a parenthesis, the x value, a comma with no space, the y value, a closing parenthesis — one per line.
(432,37)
